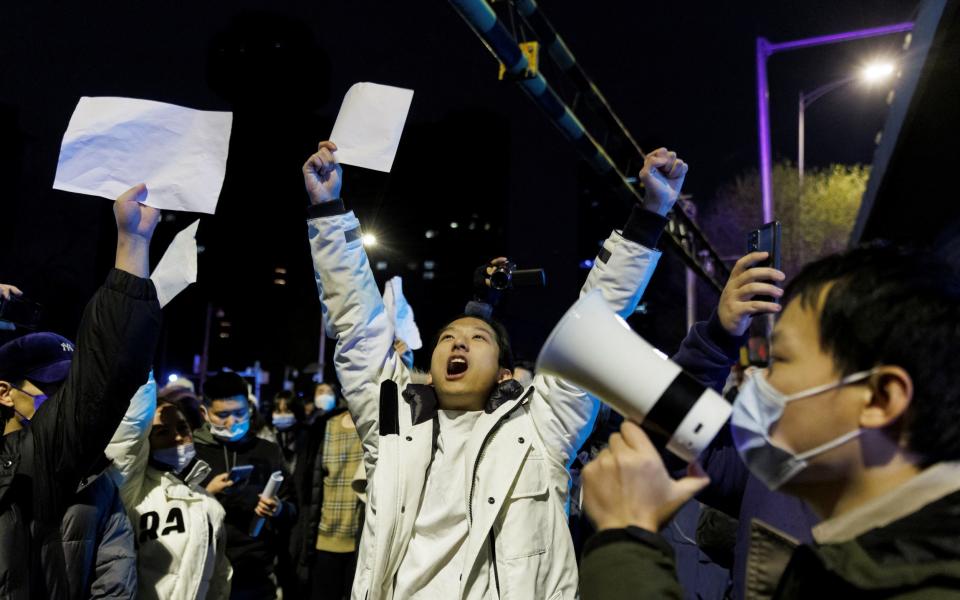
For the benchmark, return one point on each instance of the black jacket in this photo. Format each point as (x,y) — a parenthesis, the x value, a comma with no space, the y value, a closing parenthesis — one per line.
(251,558)
(42,465)
(98,542)
(917,556)
(308,479)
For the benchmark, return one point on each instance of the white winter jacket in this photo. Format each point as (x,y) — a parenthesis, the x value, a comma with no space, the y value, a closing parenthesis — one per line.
(519,545)
(181,542)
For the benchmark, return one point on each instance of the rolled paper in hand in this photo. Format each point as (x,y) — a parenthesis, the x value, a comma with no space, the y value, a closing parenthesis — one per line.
(269,491)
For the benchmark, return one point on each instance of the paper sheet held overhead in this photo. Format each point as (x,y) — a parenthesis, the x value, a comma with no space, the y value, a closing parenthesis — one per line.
(368,128)
(112,144)
(178,267)
(401,314)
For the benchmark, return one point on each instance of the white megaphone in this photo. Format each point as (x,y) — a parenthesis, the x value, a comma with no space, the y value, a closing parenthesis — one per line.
(595,349)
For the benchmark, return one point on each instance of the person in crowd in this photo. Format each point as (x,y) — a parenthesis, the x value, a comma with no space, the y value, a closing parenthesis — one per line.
(50,446)
(468,481)
(224,443)
(179,526)
(97,538)
(325,395)
(260,425)
(325,540)
(855,416)
(706,353)
(286,420)
(523,372)
(182,394)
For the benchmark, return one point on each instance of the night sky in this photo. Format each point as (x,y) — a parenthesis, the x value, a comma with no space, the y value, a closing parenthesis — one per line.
(475,151)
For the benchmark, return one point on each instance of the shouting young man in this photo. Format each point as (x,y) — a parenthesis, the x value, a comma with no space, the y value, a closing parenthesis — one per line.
(468,477)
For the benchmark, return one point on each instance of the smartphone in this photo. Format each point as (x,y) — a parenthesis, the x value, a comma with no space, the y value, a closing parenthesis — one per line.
(766,239)
(240,474)
(20,311)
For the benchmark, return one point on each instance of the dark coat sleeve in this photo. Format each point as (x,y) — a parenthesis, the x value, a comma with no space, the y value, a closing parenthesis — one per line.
(707,353)
(114,349)
(618,567)
(115,566)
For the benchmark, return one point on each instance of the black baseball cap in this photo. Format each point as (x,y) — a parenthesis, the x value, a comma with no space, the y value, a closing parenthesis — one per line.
(41,357)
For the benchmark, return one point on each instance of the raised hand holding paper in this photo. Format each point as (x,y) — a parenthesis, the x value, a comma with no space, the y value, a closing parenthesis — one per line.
(368,128)
(113,143)
(178,267)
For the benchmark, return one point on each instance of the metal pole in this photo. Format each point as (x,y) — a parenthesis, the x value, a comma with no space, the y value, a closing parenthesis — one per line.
(205,357)
(800,148)
(764,50)
(691,298)
(763,123)
(484,22)
(846,36)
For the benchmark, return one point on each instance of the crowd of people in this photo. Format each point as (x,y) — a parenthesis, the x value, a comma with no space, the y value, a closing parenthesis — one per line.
(837,474)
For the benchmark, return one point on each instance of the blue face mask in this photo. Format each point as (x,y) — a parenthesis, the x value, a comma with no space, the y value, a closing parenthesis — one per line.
(38,400)
(283,421)
(177,458)
(233,433)
(325,402)
(758,407)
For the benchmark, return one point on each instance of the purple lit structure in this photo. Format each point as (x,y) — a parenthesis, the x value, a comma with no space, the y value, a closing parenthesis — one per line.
(765,49)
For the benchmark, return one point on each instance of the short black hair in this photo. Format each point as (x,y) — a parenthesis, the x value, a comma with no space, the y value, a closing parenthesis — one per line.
(224,385)
(893,305)
(505,357)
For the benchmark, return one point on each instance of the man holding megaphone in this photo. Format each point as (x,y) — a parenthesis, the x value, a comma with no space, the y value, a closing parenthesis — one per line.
(855,416)
(468,480)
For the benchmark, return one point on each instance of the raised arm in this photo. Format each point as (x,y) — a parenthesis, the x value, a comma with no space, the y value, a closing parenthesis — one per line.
(563,413)
(353,310)
(115,345)
(130,447)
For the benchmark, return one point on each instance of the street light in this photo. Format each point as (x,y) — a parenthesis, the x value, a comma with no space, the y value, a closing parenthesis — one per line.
(872,73)
(368,240)
(766,49)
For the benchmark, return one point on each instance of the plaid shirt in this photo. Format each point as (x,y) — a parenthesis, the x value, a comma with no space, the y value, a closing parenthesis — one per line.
(339,517)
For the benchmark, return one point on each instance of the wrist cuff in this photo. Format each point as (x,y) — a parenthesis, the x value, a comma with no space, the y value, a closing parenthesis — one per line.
(729,344)
(631,534)
(326,209)
(644,227)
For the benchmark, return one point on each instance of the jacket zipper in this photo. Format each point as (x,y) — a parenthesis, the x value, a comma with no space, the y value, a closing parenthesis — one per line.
(473,484)
(493,556)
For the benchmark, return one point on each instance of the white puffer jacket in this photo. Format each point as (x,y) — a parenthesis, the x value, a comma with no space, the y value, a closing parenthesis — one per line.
(518,545)
(181,542)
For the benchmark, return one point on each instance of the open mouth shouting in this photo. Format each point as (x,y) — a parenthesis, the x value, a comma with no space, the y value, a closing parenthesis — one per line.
(456,367)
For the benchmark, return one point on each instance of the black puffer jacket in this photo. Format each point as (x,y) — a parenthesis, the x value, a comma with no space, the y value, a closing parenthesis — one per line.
(98,542)
(41,466)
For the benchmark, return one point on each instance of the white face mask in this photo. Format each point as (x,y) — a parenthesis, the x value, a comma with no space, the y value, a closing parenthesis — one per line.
(233,433)
(325,402)
(177,458)
(283,421)
(758,407)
